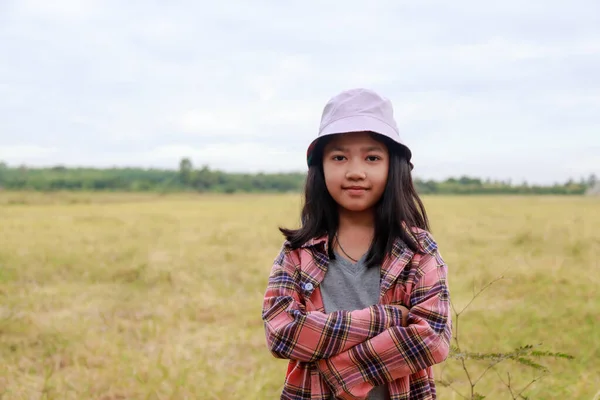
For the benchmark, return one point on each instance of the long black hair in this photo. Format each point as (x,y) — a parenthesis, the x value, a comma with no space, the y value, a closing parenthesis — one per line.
(399,208)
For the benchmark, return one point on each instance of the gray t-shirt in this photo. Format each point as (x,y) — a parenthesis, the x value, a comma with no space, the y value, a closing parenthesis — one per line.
(348,286)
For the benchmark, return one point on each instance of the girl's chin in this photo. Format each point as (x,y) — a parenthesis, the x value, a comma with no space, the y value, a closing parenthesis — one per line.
(355,206)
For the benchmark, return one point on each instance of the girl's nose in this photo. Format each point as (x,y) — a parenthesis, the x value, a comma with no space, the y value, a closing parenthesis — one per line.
(355,174)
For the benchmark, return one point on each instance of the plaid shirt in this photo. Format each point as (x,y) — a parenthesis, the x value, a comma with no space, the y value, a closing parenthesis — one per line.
(345,354)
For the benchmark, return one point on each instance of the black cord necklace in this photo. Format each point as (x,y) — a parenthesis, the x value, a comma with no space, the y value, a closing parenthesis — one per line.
(337,239)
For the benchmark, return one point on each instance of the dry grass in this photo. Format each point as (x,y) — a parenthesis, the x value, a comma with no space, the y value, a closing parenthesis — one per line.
(158,297)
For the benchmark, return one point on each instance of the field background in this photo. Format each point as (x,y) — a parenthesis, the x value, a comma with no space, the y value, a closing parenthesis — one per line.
(134,296)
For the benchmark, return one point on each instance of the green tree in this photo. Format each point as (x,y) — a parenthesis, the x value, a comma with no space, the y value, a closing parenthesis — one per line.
(185,171)
(592,180)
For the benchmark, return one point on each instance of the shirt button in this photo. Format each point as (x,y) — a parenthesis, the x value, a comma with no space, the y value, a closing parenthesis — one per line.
(308,287)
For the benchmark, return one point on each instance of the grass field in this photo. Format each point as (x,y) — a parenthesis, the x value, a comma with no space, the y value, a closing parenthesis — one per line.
(159,297)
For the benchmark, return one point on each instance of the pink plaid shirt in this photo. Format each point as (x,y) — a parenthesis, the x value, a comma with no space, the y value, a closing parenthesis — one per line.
(345,354)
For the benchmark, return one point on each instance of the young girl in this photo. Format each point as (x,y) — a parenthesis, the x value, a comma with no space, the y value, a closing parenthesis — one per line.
(357,299)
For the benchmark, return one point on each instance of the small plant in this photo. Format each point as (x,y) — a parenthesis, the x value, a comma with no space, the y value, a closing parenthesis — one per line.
(523,355)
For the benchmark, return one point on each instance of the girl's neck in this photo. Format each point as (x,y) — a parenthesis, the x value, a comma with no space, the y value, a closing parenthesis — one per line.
(361,224)
(355,234)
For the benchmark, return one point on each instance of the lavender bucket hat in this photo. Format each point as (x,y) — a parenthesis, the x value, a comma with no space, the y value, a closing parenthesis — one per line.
(358,110)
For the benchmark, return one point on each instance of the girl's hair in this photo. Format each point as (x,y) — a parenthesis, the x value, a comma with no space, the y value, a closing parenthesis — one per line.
(399,208)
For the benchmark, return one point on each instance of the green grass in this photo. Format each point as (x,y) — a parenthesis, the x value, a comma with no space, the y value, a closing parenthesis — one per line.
(122,296)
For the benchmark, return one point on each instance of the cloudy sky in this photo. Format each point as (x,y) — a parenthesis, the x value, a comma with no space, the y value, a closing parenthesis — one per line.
(507,90)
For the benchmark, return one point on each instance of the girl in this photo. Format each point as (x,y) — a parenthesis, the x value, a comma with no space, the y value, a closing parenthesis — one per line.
(357,299)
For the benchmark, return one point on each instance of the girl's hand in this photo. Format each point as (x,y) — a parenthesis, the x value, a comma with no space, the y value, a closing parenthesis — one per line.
(404,314)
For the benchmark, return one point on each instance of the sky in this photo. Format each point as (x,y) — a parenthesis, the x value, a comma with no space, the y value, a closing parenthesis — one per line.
(501,90)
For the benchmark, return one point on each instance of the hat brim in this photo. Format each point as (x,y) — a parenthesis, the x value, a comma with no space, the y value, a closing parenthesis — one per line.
(359,123)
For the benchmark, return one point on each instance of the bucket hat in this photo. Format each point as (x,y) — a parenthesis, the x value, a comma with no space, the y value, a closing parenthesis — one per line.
(359,110)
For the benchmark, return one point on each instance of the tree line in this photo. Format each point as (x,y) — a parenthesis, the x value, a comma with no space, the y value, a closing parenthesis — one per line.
(204,179)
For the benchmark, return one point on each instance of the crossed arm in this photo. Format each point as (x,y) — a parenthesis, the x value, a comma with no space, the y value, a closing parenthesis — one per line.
(400,350)
(358,350)
(296,334)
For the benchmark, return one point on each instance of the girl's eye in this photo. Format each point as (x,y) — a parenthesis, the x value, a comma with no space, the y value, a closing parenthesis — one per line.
(373,158)
(338,158)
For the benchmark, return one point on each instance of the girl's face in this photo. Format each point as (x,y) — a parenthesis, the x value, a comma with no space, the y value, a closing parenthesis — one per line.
(356,170)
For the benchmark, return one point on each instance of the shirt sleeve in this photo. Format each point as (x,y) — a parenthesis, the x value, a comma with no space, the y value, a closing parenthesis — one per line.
(398,351)
(296,334)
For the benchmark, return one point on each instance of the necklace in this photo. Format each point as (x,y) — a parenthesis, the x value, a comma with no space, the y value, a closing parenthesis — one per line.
(337,239)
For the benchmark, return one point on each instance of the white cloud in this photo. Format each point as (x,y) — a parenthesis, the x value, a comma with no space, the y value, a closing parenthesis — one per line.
(58,10)
(243,156)
(16,154)
(211,121)
(241,85)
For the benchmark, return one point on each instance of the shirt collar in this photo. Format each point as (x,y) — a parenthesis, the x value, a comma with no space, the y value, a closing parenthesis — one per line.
(323,241)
